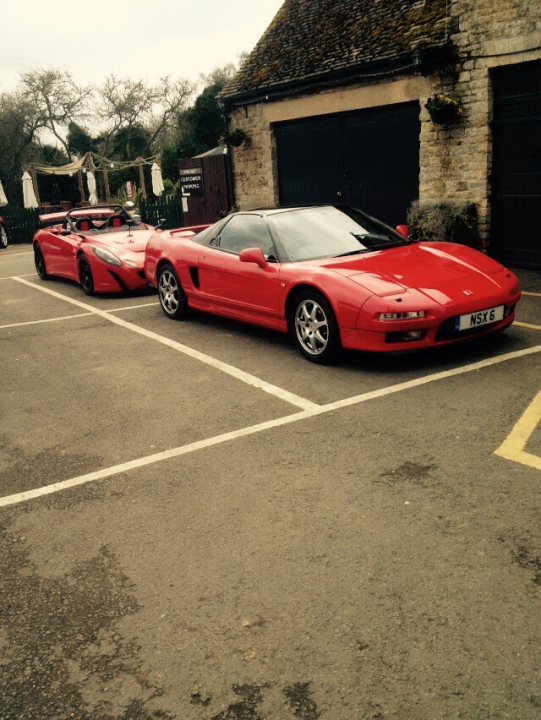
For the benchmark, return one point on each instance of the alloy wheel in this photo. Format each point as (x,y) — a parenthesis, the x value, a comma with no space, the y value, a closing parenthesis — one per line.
(168,290)
(312,327)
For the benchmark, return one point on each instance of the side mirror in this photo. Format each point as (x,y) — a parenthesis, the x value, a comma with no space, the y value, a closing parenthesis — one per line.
(253,255)
(161,223)
(403,230)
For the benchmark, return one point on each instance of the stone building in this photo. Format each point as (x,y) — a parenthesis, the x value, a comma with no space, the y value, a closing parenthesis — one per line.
(333,103)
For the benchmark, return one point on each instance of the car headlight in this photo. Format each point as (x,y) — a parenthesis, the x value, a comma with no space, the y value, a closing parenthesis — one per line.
(413,315)
(107,256)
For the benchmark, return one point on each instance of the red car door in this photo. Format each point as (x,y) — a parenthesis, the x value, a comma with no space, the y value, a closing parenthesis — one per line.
(242,289)
(60,252)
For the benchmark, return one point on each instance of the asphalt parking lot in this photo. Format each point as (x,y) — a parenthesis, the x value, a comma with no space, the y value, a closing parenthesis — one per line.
(198,524)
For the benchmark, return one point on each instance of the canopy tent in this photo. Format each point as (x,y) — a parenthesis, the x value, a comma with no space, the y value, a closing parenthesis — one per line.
(90,163)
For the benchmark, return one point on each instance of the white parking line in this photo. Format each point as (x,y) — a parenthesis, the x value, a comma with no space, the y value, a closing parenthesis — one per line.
(527,325)
(133,307)
(531,294)
(47,320)
(14,277)
(260,427)
(190,352)
(16,254)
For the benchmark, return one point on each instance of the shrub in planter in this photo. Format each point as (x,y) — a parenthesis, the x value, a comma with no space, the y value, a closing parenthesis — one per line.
(234,137)
(444,222)
(444,108)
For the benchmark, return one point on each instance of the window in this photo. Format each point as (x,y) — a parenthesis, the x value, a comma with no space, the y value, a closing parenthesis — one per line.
(246,231)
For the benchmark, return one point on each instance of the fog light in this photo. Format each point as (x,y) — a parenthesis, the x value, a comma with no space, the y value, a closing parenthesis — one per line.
(408,336)
(412,335)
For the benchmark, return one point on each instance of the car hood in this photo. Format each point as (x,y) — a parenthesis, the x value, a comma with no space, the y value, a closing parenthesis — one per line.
(124,245)
(444,272)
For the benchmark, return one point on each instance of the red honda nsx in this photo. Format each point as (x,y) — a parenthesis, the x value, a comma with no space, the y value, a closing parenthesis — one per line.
(333,277)
(100,247)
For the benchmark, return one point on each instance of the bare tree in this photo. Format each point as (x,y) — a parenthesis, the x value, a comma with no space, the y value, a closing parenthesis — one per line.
(57,99)
(126,105)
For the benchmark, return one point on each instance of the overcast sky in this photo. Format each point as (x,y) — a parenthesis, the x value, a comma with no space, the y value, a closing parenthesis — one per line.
(180,38)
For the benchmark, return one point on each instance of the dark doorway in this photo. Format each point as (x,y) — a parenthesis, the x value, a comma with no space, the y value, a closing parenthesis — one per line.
(368,159)
(516,165)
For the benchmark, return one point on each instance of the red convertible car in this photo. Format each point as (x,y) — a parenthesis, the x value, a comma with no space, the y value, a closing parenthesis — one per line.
(100,247)
(333,277)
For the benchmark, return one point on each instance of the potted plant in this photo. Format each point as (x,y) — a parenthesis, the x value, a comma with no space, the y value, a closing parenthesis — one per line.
(235,137)
(444,108)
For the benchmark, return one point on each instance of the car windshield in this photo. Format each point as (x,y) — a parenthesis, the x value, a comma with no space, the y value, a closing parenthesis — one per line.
(323,232)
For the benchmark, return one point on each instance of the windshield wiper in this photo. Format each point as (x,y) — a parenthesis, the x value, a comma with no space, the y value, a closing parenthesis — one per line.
(352,252)
(388,242)
(361,237)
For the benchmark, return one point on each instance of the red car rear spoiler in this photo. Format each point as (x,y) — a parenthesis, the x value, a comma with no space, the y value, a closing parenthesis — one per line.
(190,229)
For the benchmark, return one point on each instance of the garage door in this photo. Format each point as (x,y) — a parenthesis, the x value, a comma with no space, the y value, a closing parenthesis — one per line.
(516,171)
(369,159)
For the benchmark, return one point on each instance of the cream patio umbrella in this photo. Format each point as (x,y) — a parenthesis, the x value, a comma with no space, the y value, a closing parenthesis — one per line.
(92,189)
(3,198)
(29,196)
(157,181)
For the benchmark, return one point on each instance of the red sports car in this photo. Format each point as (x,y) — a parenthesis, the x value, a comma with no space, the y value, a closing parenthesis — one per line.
(332,277)
(100,247)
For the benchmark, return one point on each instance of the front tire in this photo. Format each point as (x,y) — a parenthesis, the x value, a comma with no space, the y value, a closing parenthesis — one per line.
(313,327)
(3,237)
(39,262)
(85,276)
(172,298)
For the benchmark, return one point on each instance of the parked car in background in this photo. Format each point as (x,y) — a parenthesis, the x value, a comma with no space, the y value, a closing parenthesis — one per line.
(100,247)
(333,277)
(3,234)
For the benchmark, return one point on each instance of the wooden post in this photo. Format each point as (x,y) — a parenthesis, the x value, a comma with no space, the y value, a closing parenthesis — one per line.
(35,183)
(142,179)
(106,180)
(80,184)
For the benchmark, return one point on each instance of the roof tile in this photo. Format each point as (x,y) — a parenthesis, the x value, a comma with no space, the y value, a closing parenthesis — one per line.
(311,38)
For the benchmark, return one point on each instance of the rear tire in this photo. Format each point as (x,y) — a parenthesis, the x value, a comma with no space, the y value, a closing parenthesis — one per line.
(39,262)
(85,276)
(314,329)
(172,297)
(3,237)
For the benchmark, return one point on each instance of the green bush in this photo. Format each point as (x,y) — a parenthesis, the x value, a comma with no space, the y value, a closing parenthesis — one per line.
(444,222)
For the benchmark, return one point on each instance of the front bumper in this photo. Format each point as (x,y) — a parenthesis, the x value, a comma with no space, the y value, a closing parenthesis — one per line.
(391,336)
(112,279)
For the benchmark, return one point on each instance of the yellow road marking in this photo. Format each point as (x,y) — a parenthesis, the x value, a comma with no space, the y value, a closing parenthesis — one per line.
(527,325)
(531,294)
(513,446)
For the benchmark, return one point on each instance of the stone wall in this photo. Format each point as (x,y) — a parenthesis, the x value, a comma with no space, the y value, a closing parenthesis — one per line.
(455,160)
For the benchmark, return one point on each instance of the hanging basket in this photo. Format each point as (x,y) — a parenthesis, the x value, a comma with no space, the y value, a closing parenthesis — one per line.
(235,137)
(444,109)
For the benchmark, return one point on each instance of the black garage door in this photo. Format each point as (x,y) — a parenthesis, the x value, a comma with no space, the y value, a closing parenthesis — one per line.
(369,159)
(516,171)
